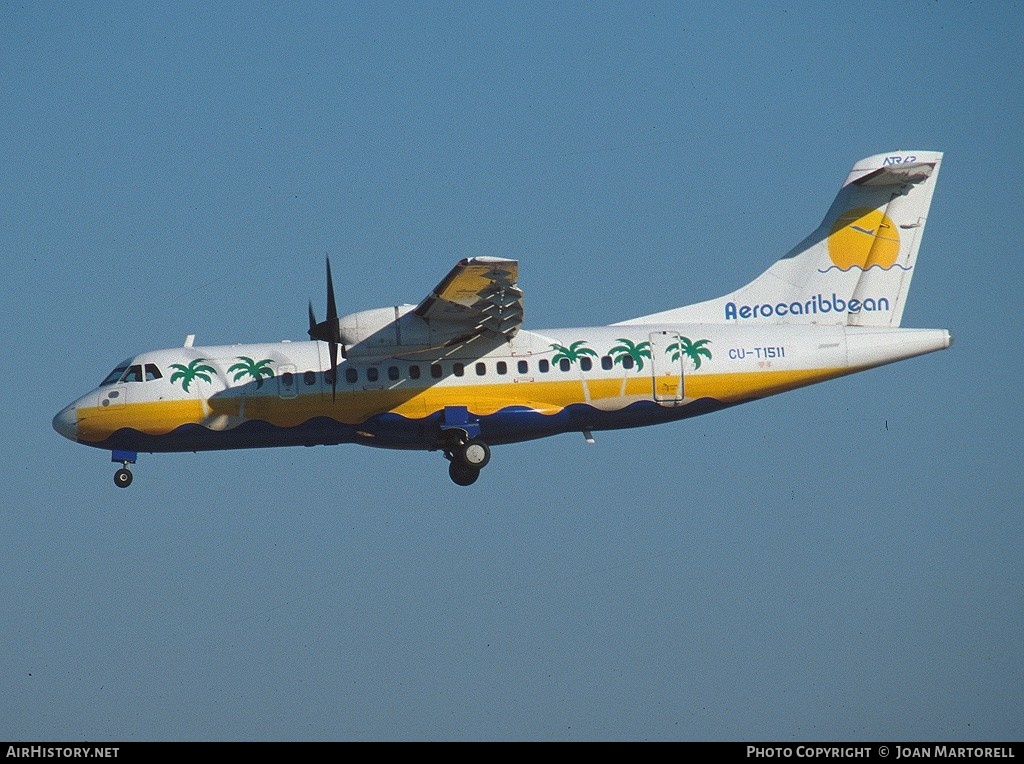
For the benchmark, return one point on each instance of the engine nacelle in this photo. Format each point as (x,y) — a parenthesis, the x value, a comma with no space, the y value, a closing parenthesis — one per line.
(377,328)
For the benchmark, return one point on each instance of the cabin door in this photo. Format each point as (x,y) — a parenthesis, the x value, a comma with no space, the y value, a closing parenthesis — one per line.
(667,368)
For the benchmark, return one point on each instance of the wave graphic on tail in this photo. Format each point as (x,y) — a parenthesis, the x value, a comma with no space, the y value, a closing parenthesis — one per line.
(865,270)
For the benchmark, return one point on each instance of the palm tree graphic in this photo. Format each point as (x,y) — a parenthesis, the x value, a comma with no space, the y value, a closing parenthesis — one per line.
(255,369)
(630,350)
(196,369)
(572,354)
(692,350)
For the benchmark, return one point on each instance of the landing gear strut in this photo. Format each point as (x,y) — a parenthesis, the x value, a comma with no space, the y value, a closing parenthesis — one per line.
(467,457)
(123,477)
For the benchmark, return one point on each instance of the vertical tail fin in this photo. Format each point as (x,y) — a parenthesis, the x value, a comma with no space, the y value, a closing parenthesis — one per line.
(855,269)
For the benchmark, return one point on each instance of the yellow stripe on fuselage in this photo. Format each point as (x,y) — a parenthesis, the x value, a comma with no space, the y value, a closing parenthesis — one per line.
(740,386)
(356,406)
(153,418)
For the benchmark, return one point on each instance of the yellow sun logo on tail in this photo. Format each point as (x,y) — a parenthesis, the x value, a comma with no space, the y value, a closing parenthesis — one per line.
(864,238)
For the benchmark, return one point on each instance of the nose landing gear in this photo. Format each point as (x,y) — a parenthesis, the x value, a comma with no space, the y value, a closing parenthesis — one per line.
(123,477)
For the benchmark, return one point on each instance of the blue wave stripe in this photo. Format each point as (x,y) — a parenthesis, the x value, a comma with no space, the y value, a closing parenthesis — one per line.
(509,425)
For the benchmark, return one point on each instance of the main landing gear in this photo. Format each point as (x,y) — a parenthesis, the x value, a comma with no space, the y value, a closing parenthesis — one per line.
(467,457)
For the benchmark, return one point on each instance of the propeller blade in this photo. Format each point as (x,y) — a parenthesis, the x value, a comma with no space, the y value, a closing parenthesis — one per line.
(332,323)
(332,309)
(328,330)
(334,371)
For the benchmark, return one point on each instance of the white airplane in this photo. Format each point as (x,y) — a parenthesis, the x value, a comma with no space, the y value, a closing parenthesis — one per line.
(457,373)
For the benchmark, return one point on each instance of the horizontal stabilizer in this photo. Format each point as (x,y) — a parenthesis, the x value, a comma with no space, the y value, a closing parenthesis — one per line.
(897,175)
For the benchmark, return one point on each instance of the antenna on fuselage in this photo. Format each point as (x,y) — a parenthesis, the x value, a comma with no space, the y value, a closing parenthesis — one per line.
(189,339)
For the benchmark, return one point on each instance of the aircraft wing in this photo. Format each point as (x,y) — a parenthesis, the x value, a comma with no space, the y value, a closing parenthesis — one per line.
(478,295)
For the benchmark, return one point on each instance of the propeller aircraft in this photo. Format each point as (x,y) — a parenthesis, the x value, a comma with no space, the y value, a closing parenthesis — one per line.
(458,374)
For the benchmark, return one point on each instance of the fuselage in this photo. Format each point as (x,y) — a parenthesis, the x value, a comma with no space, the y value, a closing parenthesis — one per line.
(458,373)
(533,386)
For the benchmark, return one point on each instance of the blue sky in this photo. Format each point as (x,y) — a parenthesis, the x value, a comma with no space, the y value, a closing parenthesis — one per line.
(837,562)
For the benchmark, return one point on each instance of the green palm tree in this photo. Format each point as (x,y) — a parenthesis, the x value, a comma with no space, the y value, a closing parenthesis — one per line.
(628,350)
(196,369)
(573,354)
(692,350)
(255,369)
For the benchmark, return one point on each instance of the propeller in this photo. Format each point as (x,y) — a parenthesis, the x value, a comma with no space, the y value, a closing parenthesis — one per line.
(328,330)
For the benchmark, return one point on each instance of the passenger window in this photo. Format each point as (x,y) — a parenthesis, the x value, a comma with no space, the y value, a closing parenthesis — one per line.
(393,373)
(351,375)
(458,369)
(288,379)
(152,372)
(414,371)
(372,374)
(606,362)
(586,364)
(435,370)
(523,367)
(309,377)
(542,365)
(564,364)
(627,362)
(502,367)
(481,369)
(329,376)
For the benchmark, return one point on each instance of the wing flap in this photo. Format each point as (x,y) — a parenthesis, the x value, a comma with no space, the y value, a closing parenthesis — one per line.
(478,295)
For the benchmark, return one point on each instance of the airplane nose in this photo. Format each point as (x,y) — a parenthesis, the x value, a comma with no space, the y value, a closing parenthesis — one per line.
(66,422)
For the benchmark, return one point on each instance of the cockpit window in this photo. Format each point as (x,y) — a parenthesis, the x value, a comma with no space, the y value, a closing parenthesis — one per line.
(115,375)
(134,374)
(126,371)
